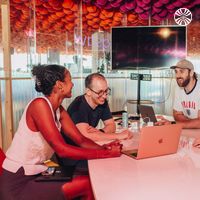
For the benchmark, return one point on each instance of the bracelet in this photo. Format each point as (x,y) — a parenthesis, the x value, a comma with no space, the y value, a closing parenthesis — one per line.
(102,130)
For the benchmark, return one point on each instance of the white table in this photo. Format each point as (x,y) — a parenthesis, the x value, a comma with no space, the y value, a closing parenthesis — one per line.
(172,177)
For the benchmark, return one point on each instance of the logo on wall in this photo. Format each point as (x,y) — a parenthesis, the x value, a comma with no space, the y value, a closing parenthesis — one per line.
(183,16)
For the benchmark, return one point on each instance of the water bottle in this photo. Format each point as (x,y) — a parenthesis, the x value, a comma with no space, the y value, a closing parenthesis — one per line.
(125,120)
(135,126)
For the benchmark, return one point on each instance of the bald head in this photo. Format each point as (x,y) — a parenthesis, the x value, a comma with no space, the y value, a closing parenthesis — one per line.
(91,78)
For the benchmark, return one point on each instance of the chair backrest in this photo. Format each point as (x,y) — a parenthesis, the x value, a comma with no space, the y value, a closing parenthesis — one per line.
(2,157)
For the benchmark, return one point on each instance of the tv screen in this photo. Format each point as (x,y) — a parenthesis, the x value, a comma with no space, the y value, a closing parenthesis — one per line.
(147,47)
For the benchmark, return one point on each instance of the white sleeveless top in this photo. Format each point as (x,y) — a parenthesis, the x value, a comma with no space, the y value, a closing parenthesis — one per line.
(29,149)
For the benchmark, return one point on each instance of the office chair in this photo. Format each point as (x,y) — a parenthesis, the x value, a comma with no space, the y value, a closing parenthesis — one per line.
(2,157)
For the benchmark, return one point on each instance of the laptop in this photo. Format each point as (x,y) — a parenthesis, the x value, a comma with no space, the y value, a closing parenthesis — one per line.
(56,174)
(156,141)
(147,113)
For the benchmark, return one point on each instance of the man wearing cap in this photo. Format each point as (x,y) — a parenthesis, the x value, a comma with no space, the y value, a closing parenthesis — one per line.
(186,108)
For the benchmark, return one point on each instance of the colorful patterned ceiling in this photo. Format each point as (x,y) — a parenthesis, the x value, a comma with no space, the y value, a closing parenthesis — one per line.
(57,20)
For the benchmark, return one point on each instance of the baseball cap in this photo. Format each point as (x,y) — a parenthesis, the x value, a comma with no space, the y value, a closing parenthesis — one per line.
(184,64)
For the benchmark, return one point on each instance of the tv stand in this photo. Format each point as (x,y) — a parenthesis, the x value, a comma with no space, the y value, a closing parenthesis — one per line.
(139,78)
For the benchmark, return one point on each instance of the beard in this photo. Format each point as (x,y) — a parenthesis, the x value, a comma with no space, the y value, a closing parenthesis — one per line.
(184,83)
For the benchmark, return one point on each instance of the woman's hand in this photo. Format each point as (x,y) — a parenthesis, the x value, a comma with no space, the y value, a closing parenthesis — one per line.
(111,144)
(113,148)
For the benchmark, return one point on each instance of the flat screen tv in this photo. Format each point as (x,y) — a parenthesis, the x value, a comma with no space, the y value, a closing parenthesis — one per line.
(147,47)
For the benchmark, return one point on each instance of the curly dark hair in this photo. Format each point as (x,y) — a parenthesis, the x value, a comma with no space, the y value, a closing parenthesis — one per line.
(46,77)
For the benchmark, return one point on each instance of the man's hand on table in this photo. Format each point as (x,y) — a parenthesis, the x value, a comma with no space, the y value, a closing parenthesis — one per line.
(125,134)
(162,121)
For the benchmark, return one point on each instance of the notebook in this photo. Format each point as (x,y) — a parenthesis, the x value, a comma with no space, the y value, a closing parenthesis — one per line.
(56,174)
(147,113)
(157,141)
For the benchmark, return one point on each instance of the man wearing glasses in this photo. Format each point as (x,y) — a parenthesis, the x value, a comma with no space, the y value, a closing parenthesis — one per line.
(87,110)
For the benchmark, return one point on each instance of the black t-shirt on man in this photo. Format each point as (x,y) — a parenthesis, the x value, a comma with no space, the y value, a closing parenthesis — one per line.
(81,112)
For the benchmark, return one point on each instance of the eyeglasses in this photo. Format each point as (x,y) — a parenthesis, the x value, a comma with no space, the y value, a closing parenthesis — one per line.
(101,93)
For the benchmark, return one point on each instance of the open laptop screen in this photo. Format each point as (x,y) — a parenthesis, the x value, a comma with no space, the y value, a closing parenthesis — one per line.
(147,113)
